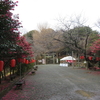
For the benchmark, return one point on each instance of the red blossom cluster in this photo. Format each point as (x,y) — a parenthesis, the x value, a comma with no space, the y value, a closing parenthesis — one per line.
(9,33)
(26,46)
(9,24)
(6,6)
(95,46)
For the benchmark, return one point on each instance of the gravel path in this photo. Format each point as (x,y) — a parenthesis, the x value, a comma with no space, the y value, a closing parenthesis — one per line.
(53,82)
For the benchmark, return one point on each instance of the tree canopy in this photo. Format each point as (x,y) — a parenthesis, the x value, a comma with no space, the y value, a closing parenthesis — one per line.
(9,33)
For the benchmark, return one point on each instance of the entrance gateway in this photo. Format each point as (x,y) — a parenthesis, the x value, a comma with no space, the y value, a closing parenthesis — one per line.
(50,58)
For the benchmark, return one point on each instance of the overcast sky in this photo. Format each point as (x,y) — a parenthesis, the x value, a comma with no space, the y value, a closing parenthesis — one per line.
(35,12)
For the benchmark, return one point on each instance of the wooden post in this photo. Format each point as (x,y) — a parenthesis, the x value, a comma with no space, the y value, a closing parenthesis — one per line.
(72,60)
(45,58)
(78,60)
(0,77)
(53,59)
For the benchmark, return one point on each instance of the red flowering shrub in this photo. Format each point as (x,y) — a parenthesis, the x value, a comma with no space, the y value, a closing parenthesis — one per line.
(95,48)
(26,47)
(9,32)
(12,46)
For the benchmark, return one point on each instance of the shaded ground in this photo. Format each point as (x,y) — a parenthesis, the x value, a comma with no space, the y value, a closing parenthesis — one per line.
(53,82)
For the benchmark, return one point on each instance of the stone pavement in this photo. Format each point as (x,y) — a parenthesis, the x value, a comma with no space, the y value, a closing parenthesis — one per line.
(53,82)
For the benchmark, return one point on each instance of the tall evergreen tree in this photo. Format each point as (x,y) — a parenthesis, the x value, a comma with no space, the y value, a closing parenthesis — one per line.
(9,25)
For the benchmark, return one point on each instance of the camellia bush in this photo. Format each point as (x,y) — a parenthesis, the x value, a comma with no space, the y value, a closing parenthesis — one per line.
(94,56)
(9,33)
(26,51)
(95,48)
(12,44)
